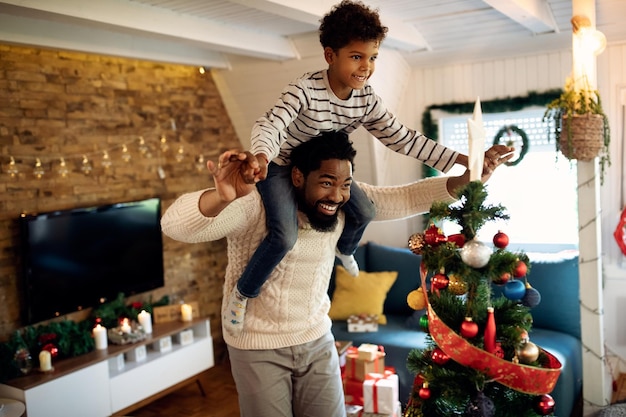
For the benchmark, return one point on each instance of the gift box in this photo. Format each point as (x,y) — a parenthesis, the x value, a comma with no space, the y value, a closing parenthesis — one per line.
(353,391)
(368,351)
(358,368)
(380,393)
(397,412)
(363,323)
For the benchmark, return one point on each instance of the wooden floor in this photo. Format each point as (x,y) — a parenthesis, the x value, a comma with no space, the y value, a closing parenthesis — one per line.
(219,399)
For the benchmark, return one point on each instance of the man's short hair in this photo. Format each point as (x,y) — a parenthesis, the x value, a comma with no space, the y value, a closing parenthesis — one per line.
(308,156)
(350,21)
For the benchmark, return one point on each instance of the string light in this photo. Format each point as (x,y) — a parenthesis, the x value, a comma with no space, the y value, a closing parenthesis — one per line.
(12,169)
(200,164)
(164,145)
(180,154)
(63,171)
(38,171)
(86,165)
(61,165)
(125,154)
(106,160)
(143,148)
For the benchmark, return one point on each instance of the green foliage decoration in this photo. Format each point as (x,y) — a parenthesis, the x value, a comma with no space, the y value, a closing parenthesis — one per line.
(72,338)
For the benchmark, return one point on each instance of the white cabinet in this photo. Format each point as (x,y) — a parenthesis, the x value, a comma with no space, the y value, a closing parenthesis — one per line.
(102,383)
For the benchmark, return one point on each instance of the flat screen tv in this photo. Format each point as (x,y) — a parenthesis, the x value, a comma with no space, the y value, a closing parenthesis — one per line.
(79,258)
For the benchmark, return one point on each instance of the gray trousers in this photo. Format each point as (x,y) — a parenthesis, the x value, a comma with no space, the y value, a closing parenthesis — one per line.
(296,381)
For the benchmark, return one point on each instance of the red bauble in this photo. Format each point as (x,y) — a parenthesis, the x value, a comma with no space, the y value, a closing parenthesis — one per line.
(424,392)
(458,239)
(544,405)
(469,329)
(502,279)
(439,357)
(520,269)
(440,281)
(500,240)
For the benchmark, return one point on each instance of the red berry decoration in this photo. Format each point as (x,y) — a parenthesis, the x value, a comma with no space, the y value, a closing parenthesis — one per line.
(544,405)
(51,347)
(440,281)
(520,269)
(424,392)
(500,240)
(439,357)
(469,329)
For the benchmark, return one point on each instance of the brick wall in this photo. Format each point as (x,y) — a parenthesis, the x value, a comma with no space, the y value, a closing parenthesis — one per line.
(56,104)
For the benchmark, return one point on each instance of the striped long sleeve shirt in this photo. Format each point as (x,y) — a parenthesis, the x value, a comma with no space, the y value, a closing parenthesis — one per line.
(308,107)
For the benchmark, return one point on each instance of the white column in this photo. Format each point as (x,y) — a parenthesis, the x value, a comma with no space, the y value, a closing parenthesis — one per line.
(596,379)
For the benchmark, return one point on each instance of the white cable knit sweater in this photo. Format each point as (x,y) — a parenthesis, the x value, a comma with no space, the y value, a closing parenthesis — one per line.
(292,307)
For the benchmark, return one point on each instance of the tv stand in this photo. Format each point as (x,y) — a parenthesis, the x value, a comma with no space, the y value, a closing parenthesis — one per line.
(121,378)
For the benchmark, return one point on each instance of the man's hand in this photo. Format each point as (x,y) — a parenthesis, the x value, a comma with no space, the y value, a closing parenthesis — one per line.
(230,175)
(254,167)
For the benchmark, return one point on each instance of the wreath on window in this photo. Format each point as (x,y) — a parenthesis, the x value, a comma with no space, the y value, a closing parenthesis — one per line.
(506,134)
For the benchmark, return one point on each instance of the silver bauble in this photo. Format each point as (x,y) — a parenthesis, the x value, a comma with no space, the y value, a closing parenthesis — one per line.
(475,253)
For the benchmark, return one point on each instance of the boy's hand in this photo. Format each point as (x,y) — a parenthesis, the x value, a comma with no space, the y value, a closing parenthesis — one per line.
(494,157)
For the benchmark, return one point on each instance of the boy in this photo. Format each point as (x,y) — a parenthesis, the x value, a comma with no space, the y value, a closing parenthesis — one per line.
(336,99)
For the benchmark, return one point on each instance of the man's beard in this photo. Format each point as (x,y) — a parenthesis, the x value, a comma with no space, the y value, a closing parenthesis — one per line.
(319,221)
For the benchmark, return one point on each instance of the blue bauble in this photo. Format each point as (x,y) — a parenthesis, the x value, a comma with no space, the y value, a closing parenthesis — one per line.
(531,298)
(514,289)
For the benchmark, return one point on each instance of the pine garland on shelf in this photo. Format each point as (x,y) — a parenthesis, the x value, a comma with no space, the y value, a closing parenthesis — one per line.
(65,338)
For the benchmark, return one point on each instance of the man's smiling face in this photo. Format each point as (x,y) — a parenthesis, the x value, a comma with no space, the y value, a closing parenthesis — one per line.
(322,193)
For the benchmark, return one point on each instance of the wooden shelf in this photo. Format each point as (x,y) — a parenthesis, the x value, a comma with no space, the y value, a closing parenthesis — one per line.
(119,387)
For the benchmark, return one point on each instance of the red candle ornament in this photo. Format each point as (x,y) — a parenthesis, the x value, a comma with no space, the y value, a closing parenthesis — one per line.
(490,332)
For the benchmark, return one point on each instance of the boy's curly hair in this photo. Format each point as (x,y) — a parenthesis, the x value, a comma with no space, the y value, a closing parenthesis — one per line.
(308,156)
(350,21)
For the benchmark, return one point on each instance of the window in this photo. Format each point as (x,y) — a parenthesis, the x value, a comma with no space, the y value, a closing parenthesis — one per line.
(539,192)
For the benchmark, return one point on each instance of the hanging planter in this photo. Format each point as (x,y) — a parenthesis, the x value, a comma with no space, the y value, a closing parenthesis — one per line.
(579,125)
(584,136)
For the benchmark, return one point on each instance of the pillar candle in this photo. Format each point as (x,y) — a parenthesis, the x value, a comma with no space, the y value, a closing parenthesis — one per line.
(145,319)
(45,361)
(185,312)
(100,337)
(125,326)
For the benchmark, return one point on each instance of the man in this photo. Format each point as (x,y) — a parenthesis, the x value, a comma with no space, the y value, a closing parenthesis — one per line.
(284,360)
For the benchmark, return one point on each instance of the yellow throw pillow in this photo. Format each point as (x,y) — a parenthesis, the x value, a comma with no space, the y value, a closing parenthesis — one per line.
(364,294)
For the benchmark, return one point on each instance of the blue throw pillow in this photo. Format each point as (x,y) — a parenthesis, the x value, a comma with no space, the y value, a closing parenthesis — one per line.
(406,263)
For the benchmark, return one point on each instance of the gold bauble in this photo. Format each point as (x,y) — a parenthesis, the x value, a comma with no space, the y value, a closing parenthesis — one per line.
(456,285)
(528,353)
(416,299)
(417,243)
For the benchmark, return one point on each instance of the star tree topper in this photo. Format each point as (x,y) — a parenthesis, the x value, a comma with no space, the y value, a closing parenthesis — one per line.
(477,133)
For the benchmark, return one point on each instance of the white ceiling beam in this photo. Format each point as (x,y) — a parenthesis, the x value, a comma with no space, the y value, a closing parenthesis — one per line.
(156,22)
(535,15)
(401,36)
(58,35)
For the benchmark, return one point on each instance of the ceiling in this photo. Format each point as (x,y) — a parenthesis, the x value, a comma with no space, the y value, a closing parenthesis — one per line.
(214,32)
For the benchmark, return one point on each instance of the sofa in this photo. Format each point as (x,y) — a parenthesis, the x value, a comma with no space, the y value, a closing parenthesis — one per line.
(556,320)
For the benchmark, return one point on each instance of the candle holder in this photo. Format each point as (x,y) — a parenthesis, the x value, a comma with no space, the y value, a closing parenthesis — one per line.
(118,336)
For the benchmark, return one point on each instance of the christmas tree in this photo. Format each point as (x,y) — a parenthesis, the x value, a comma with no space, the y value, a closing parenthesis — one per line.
(479,360)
